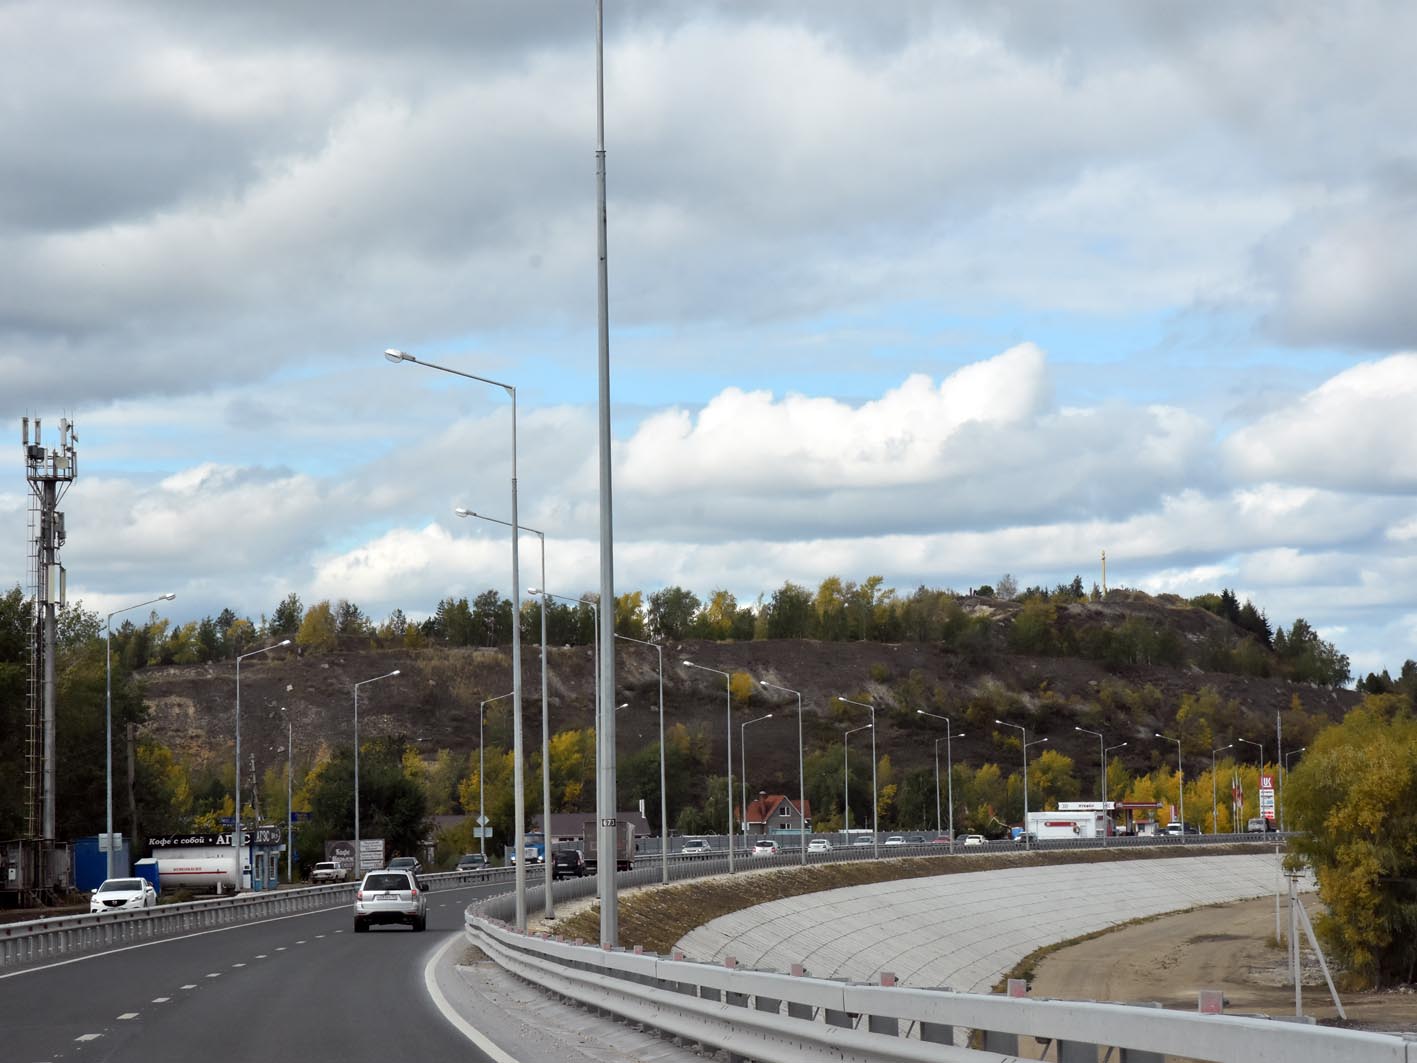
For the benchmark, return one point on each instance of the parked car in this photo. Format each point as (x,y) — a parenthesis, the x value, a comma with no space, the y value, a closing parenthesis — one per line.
(857,842)
(896,839)
(390,896)
(1172,830)
(123,895)
(765,847)
(819,845)
(1025,838)
(696,847)
(472,862)
(943,839)
(567,863)
(915,839)
(973,839)
(1259,825)
(328,871)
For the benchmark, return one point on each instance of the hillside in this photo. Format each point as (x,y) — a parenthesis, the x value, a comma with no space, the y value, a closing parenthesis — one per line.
(974,680)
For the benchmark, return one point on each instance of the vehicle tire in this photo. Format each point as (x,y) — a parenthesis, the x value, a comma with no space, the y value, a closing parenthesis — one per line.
(361,927)
(421,923)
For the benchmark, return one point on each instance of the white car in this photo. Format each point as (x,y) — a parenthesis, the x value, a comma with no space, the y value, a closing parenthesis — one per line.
(973,839)
(819,845)
(765,847)
(123,895)
(896,839)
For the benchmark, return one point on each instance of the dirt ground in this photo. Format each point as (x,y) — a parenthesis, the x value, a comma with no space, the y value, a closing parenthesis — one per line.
(1229,947)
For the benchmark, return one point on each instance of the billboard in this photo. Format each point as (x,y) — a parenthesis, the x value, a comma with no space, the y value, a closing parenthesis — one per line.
(1267,796)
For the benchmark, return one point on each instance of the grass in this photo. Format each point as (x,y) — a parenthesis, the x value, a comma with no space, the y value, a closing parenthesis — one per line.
(657,918)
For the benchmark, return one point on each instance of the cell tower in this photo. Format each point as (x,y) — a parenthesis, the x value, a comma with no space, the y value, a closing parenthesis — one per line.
(50,471)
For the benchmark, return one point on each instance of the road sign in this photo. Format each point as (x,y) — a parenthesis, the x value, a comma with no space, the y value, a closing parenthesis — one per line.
(482,832)
(482,821)
(110,843)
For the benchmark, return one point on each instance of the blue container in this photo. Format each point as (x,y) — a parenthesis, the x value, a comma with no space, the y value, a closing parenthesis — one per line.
(91,865)
(147,868)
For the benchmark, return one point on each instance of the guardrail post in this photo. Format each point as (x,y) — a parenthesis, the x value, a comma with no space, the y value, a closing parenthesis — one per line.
(882,1023)
(1136,1055)
(832,1017)
(795,1009)
(1076,1052)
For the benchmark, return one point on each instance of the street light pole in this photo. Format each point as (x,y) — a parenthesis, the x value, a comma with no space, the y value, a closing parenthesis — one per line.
(743,773)
(1119,745)
(236,831)
(358,855)
(1025,744)
(518,797)
(949,771)
(1215,792)
(108,711)
(1180,780)
(482,777)
(801,772)
(846,778)
(728,793)
(875,793)
(289,796)
(663,799)
(545,717)
(1102,761)
(1283,800)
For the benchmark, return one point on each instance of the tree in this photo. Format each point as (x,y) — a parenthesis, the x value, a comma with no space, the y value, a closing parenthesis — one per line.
(350,619)
(1007,587)
(285,621)
(789,612)
(317,631)
(1353,802)
(670,612)
(629,614)
(492,618)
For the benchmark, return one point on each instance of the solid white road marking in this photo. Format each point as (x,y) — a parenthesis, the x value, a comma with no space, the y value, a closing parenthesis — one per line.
(476,1036)
(128,1015)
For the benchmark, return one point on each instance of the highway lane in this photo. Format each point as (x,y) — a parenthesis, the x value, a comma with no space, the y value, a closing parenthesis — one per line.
(298,986)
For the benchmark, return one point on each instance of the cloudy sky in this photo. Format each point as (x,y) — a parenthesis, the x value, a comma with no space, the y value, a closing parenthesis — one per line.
(936,291)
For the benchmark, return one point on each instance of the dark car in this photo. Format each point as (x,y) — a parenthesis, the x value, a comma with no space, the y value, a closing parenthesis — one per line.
(567,863)
(472,862)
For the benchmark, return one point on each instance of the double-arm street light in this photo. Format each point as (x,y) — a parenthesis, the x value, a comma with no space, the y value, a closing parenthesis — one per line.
(663,799)
(743,771)
(519,798)
(236,831)
(482,774)
(846,778)
(801,773)
(949,771)
(358,855)
(1109,749)
(875,794)
(1025,744)
(1180,780)
(1102,780)
(108,712)
(1215,791)
(728,792)
(545,711)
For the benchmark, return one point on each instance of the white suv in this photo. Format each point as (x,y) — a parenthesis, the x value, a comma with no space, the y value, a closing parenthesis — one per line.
(389,897)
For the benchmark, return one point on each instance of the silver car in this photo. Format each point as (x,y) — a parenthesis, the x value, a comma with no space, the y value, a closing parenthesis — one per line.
(389,897)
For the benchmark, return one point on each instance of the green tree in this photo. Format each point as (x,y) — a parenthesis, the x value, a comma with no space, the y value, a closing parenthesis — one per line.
(285,621)
(671,612)
(1353,801)
(789,614)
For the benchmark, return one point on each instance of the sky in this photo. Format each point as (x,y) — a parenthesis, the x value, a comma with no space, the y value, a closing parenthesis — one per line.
(935,291)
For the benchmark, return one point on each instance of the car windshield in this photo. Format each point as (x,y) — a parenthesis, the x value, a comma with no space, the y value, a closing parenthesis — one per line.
(386,882)
(121,885)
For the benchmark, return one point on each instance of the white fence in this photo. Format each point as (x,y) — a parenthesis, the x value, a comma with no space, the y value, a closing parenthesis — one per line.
(785,1018)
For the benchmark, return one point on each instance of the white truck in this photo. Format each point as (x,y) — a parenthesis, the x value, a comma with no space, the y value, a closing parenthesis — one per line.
(1052,826)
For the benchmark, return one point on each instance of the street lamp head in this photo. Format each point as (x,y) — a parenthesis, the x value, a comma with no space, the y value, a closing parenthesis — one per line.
(283,642)
(394,673)
(166,597)
(768,716)
(685,662)
(397,356)
(461,512)
(532,590)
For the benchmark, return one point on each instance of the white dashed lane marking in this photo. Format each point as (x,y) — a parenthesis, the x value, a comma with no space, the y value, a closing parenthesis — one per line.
(238,965)
(189,986)
(127,1015)
(319,935)
(161,1000)
(262,956)
(280,948)
(217,975)
(88,1037)
(300,942)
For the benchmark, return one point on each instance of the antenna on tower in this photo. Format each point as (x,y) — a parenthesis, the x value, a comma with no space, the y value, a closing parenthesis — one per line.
(1104,575)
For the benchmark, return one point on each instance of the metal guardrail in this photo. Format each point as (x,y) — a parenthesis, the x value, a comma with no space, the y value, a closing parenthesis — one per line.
(778,1018)
(66,936)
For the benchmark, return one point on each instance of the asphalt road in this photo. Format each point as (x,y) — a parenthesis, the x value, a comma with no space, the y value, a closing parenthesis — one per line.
(296,987)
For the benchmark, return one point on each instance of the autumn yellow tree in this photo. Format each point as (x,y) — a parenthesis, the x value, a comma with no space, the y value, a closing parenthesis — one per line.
(1353,802)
